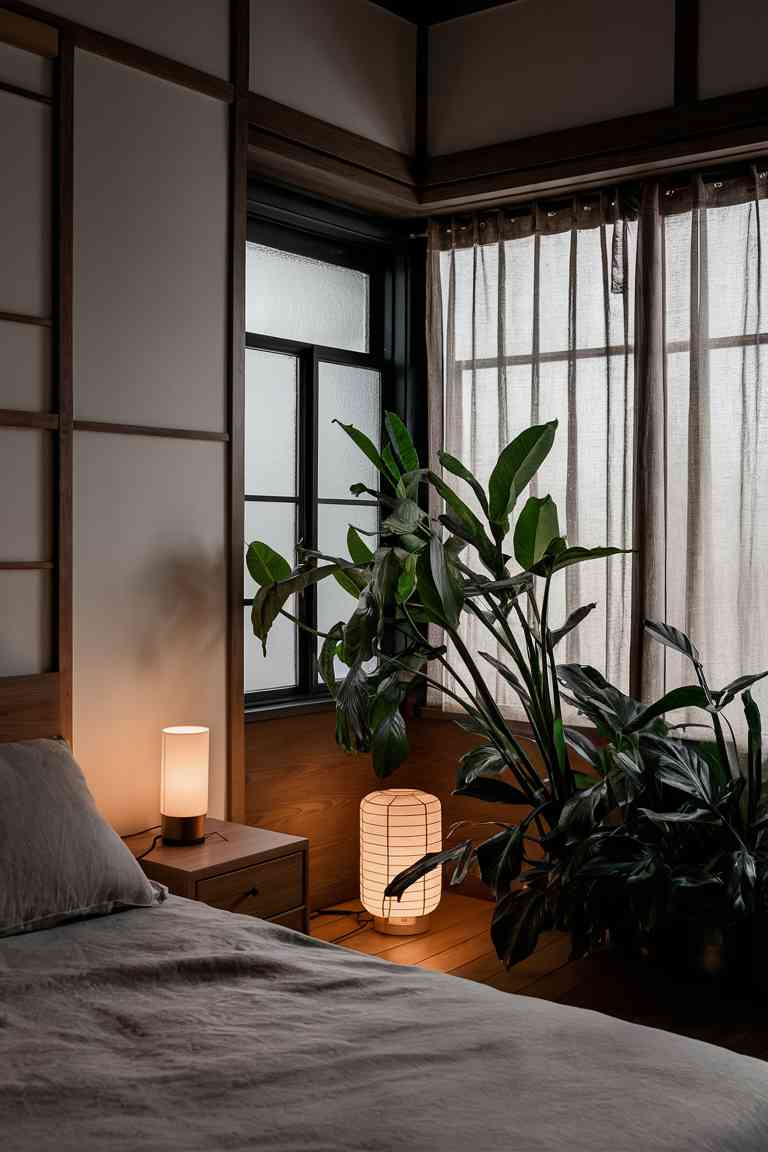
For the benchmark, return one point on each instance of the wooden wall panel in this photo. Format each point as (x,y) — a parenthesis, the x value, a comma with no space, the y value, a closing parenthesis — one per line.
(300,782)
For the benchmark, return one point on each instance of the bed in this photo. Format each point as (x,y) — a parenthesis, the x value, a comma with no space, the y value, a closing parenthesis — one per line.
(183,1026)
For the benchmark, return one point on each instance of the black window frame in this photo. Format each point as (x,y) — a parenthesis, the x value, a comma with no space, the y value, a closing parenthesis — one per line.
(380,248)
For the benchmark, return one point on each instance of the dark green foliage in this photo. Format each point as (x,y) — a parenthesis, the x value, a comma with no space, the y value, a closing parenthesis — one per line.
(658,828)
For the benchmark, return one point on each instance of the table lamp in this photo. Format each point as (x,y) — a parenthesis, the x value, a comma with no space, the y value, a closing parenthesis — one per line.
(184,783)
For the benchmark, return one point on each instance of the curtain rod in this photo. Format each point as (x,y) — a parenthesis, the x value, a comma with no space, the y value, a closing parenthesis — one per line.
(673,182)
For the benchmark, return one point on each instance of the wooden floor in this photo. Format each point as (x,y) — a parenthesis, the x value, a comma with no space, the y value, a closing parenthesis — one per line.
(459,943)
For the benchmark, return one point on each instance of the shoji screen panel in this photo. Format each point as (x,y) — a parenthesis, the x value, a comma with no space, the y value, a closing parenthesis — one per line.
(150,402)
(29,393)
(150,602)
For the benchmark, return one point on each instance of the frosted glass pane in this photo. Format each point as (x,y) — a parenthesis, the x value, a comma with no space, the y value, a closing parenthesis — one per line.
(271,381)
(278,668)
(353,396)
(25,623)
(275,524)
(302,299)
(333,520)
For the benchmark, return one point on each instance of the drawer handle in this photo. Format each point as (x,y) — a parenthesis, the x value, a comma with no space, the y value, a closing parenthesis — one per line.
(244,896)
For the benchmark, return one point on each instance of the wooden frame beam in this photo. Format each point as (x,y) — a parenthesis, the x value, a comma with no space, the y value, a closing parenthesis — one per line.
(29,34)
(238,222)
(123,52)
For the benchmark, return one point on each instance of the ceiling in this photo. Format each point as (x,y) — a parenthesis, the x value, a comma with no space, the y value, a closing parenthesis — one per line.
(436,11)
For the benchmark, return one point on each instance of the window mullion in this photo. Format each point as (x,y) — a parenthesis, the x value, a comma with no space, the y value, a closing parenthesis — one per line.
(307,511)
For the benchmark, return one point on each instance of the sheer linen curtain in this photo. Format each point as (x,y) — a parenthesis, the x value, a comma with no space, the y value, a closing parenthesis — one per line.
(703,428)
(530,319)
(663,374)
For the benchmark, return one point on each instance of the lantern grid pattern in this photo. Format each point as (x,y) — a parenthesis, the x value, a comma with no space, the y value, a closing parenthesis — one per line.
(397,827)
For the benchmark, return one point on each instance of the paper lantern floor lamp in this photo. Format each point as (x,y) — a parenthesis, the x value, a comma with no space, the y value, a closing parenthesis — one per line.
(397,827)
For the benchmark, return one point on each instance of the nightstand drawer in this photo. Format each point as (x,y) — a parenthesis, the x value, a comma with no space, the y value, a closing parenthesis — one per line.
(262,890)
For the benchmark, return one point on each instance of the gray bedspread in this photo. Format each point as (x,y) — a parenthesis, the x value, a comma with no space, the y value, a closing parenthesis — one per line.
(183,1027)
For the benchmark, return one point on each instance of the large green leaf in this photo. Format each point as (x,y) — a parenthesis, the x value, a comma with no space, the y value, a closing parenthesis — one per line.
(391,465)
(500,859)
(688,696)
(520,918)
(456,468)
(608,708)
(401,442)
(351,581)
(731,691)
(364,443)
(584,810)
(404,519)
(678,764)
(389,745)
(271,598)
(754,755)
(493,791)
(572,621)
(361,629)
(514,469)
(583,747)
(486,758)
(329,651)
(566,557)
(403,881)
(507,674)
(445,582)
(686,816)
(265,565)
(352,729)
(406,581)
(536,528)
(357,548)
(673,638)
(472,530)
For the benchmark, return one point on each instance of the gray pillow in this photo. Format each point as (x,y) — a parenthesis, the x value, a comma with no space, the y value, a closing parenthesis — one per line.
(59,859)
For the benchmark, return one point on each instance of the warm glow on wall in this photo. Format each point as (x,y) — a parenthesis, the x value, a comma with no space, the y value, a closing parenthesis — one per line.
(184,783)
(397,827)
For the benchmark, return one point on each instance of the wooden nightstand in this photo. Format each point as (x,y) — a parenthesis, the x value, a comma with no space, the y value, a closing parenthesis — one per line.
(241,869)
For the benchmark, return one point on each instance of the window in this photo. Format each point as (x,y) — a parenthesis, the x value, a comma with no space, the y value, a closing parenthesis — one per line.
(542,316)
(537,325)
(316,351)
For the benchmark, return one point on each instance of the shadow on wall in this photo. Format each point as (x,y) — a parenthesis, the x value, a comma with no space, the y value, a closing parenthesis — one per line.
(179,599)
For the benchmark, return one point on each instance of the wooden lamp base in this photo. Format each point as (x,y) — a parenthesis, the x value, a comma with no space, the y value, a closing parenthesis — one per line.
(180,830)
(401,925)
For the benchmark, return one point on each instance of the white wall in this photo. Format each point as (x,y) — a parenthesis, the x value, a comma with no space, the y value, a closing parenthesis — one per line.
(535,66)
(196,32)
(345,61)
(150,513)
(732,46)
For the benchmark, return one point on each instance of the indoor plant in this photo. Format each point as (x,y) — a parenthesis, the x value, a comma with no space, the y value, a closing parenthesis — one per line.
(593,844)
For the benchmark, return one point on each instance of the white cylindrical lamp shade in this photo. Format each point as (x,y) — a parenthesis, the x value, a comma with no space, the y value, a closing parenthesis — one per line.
(397,827)
(184,782)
